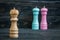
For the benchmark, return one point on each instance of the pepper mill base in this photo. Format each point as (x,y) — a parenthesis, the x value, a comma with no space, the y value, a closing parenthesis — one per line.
(13,35)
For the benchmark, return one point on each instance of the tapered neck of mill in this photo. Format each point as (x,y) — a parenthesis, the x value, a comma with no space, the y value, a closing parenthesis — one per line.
(14,22)
(44,14)
(35,16)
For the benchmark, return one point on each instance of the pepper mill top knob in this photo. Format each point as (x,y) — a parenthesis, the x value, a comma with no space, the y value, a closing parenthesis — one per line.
(44,9)
(14,11)
(36,9)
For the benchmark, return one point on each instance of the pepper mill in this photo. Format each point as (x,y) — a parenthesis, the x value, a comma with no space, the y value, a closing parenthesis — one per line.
(43,25)
(35,23)
(13,28)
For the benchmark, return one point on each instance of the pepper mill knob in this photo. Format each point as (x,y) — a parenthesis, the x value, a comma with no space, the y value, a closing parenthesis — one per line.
(14,29)
(44,9)
(14,11)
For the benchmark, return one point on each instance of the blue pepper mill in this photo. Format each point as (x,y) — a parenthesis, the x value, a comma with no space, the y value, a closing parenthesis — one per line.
(35,23)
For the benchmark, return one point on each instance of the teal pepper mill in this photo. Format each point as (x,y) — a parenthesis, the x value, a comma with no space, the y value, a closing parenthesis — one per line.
(35,23)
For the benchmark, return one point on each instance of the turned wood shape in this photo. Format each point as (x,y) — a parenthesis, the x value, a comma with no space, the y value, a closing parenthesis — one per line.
(44,25)
(13,28)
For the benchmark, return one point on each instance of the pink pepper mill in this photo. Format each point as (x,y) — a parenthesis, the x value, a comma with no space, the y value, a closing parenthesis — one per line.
(43,24)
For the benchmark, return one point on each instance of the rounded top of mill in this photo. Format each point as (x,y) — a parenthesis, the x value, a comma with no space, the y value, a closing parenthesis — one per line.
(14,11)
(44,9)
(35,9)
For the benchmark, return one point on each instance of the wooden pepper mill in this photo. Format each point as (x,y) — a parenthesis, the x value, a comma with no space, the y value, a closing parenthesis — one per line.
(44,25)
(35,23)
(13,28)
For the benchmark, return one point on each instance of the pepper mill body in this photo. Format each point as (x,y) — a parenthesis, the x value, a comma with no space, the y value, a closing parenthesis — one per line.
(13,28)
(35,23)
(44,25)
